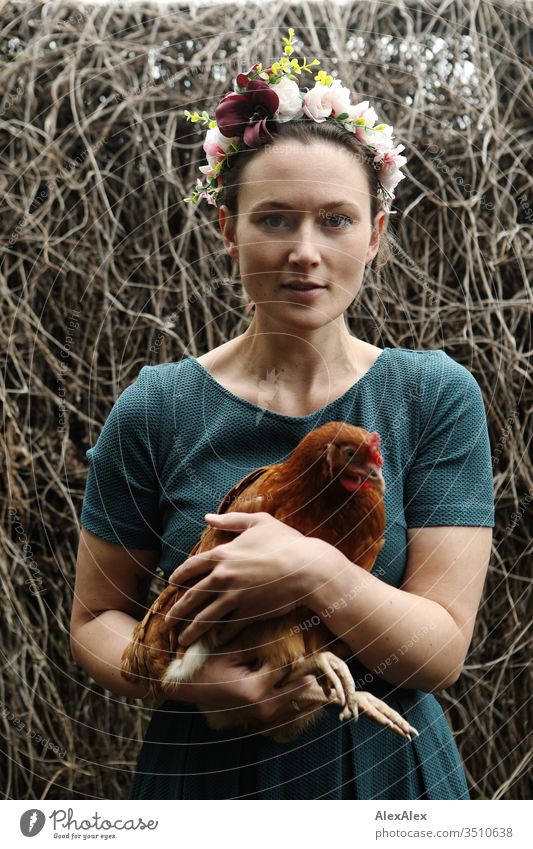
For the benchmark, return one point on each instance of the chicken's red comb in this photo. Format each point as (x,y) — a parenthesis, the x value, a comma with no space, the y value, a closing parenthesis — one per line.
(373,442)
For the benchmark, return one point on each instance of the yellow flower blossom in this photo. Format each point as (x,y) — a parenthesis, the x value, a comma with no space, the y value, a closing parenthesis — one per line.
(288,49)
(323,78)
(196,116)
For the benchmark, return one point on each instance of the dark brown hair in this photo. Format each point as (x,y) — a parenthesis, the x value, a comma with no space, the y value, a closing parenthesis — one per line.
(306,131)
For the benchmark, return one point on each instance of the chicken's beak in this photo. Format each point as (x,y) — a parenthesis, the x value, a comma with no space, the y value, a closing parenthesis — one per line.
(363,475)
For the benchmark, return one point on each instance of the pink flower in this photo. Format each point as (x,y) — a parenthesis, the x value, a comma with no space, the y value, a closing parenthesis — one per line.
(340,98)
(318,103)
(216,147)
(389,172)
(324,100)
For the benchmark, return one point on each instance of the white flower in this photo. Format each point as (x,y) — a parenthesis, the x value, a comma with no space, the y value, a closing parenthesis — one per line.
(362,112)
(290,100)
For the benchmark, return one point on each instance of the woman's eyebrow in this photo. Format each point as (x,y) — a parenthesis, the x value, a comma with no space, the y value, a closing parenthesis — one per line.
(275,204)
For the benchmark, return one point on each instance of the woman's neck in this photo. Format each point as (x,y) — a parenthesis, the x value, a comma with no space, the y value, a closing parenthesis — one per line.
(325,355)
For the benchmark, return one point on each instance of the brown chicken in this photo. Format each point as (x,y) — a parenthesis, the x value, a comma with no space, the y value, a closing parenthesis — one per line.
(330,487)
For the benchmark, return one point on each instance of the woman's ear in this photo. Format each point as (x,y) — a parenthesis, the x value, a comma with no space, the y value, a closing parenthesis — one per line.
(227,227)
(377,230)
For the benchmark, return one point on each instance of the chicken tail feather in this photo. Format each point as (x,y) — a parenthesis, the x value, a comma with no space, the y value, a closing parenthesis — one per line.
(185,668)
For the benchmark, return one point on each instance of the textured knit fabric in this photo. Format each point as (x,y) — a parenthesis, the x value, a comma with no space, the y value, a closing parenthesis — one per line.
(173,444)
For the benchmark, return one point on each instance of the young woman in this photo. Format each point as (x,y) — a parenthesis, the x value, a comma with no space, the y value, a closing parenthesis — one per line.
(303,203)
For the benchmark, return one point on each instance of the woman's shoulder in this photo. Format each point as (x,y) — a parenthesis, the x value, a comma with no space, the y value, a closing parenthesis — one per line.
(433,376)
(432,361)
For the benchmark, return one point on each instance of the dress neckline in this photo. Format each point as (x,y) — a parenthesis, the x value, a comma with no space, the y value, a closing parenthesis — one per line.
(374,368)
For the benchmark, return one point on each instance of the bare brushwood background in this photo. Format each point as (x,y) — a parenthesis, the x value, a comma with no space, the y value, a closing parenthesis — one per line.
(104,269)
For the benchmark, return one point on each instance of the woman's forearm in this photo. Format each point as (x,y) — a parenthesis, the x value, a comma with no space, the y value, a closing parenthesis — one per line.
(404,638)
(97,647)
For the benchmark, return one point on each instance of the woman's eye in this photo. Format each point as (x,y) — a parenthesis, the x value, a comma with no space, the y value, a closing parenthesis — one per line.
(270,217)
(345,219)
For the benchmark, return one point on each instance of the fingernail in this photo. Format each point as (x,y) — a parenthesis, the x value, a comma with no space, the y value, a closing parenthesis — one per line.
(209,515)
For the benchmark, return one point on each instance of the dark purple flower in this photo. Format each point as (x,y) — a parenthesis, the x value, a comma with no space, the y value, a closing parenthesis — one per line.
(246,115)
(242,79)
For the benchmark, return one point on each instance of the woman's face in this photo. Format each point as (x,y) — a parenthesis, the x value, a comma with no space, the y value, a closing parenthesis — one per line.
(304,215)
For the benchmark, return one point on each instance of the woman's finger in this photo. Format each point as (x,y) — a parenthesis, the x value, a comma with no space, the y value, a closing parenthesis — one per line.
(195,565)
(237,520)
(211,615)
(195,598)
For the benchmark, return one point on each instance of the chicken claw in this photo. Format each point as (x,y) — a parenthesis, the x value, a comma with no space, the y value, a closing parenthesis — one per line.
(380,712)
(331,672)
(337,683)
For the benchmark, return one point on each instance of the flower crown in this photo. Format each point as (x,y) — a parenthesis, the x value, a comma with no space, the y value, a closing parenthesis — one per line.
(261,96)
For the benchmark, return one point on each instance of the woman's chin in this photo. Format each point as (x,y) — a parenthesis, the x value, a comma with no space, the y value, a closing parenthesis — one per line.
(293,313)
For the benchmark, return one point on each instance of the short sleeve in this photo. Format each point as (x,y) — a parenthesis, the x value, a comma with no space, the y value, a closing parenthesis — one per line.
(121,502)
(450,480)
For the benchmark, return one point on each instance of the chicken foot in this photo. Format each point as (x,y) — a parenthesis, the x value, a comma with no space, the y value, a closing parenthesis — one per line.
(338,686)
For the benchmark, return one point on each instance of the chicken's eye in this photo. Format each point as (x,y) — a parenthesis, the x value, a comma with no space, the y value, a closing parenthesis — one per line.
(349,454)
(372,473)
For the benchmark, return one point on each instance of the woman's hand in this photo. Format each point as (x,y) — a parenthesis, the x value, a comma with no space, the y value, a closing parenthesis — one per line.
(263,573)
(226,681)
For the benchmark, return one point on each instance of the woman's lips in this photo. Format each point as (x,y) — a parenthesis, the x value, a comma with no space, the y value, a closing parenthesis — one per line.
(303,294)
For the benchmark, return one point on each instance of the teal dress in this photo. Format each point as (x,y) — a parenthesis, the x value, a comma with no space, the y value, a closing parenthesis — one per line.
(173,444)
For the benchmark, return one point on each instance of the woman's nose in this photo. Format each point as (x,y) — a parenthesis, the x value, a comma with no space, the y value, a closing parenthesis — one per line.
(305,248)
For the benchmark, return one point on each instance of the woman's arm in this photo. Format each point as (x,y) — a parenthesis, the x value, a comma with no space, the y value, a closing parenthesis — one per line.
(111,590)
(417,635)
